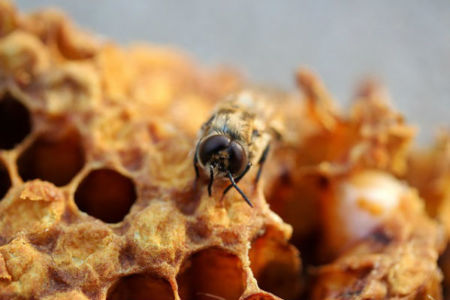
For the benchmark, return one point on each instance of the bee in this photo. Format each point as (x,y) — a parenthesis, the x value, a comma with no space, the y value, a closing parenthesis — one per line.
(235,138)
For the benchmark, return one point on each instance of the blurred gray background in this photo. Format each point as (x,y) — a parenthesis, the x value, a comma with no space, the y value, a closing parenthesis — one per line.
(404,43)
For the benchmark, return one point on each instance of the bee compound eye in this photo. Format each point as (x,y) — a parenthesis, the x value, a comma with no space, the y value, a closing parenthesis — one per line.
(238,158)
(212,145)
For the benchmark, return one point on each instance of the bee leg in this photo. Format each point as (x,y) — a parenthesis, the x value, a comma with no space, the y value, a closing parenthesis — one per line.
(211,180)
(261,162)
(238,178)
(197,174)
(196,163)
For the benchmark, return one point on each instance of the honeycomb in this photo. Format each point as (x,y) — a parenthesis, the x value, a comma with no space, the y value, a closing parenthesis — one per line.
(99,198)
(429,171)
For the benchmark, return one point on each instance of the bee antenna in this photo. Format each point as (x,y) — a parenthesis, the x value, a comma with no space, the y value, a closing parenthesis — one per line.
(238,189)
(211,179)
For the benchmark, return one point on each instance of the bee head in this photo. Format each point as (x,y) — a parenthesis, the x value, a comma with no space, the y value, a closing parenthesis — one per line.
(223,154)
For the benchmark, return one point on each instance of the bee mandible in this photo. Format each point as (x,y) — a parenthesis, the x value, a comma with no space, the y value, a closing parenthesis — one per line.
(235,138)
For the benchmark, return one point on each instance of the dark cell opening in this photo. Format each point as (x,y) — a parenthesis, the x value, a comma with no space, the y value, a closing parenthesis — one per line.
(15,122)
(106,194)
(211,273)
(276,265)
(141,287)
(53,158)
(5,181)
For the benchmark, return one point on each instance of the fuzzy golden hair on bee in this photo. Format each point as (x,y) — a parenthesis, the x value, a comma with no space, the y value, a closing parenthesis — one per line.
(234,139)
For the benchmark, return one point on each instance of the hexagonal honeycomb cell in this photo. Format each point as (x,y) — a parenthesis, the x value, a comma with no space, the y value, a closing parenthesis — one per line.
(99,198)
(141,286)
(54,157)
(5,180)
(15,122)
(211,272)
(105,194)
